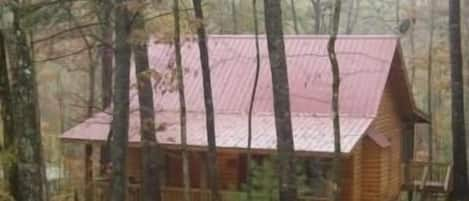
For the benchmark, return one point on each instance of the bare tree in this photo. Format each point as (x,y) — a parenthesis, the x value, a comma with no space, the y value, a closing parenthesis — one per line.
(105,6)
(460,181)
(251,103)
(278,66)
(337,167)
(182,101)
(412,42)
(26,117)
(397,12)
(208,100)
(151,190)
(120,114)
(6,112)
(429,82)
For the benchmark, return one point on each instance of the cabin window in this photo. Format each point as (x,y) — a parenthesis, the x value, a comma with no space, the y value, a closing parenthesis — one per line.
(174,177)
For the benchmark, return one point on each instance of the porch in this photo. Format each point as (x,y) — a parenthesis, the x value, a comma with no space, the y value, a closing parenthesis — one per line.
(430,177)
(101,193)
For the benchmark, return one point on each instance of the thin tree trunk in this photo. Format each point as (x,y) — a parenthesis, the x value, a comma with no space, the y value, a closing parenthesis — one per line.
(120,122)
(234,17)
(460,182)
(429,83)
(106,53)
(151,190)
(210,120)
(294,16)
(278,66)
(182,101)
(251,104)
(104,9)
(6,112)
(412,46)
(317,16)
(27,124)
(397,12)
(337,166)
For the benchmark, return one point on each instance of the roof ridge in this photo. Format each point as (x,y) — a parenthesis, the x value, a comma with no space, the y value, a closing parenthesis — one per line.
(293,114)
(311,36)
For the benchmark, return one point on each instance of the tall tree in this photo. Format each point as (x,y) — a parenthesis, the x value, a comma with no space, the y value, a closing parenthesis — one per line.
(412,42)
(105,6)
(182,101)
(460,182)
(120,114)
(6,112)
(429,82)
(283,125)
(337,167)
(253,98)
(150,151)
(208,100)
(397,12)
(26,117)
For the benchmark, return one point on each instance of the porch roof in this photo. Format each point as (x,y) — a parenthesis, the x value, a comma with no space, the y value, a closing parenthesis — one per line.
(312,133)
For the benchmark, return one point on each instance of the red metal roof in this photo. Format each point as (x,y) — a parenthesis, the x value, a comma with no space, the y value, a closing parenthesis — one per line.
(364,61)
(311,133)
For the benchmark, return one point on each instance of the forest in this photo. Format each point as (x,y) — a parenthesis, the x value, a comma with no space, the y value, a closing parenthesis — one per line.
(234,100)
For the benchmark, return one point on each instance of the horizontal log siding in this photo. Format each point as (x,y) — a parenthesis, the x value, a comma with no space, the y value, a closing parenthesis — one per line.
(351,184)
(372,171)
(388,123)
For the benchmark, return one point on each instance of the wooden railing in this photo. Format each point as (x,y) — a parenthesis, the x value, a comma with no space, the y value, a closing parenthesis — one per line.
(101,193)
(426,176)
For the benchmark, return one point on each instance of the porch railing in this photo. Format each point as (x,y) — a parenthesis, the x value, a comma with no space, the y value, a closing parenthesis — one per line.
(101,193)
(427,176)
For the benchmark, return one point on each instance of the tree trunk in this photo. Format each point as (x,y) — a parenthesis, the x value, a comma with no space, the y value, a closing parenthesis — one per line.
(6,112)
(251,103)
(460,182)
(412,45)
(106,53)
(317,16)
(278,66)
(210,120)
(27,123)
(397,12)
(182,101)
(294,16)
(120,122)
(337,167)
(429,83)
(151,190)
(234,17)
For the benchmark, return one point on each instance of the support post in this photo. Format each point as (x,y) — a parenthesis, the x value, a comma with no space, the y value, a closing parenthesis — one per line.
(88,172)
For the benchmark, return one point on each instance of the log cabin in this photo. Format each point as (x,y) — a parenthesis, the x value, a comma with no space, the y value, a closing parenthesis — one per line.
(377,117)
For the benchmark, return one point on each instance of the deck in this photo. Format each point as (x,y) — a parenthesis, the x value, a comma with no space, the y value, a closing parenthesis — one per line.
(427,177)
